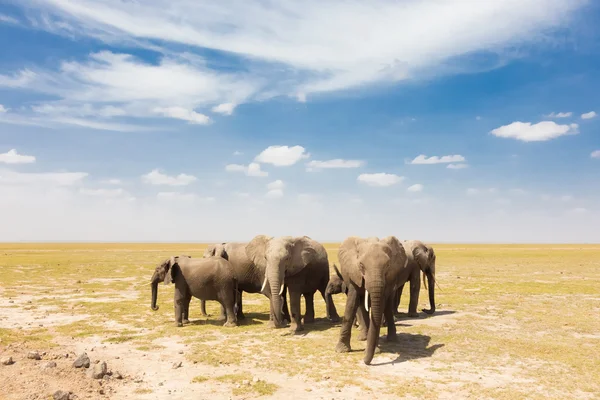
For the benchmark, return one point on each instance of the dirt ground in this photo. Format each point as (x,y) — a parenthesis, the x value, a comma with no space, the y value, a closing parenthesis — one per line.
(511,322)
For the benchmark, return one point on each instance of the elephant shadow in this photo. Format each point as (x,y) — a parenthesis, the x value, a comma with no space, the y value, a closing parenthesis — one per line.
(404,316)
(408,347)
(251,319)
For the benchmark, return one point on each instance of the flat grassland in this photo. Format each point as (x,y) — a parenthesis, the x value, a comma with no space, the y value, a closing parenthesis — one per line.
(513,321)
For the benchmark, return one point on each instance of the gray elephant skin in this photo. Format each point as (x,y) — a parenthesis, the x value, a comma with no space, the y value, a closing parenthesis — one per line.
(209,278)
(421,259)
(372,270)
(301,264)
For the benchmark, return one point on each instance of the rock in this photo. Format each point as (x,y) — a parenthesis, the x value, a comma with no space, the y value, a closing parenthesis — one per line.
(245,382)
(34,355)
(7,361)
(106,377)
(255,379)
(61,395)
(180,351)
(177,365)
(49,364)
(99,370)
(101,391)
(117,375)
(82,361)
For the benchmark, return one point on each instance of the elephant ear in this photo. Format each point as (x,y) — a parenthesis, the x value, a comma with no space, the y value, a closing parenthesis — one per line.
(221,252)
(209,251)
(348,255)
(422,255)
(397,254)
(167,269)
(256,250)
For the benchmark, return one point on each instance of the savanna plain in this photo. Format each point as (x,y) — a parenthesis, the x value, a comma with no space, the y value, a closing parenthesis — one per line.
(512,322)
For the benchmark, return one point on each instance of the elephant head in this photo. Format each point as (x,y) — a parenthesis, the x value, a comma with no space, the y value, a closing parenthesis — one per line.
(280,257)
(336,284)
(373,265)
(425,258)
(216,250)
(165,272)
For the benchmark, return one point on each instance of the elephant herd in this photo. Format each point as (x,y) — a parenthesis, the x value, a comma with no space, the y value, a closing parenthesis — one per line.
(372,274)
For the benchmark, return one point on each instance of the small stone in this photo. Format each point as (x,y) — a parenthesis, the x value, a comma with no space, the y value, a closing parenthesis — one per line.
(49,364)
(245,382)
(7,361)
(61,395)
(101,391)
(117,357)
(180,351)
(82,361)
(255,379)
(177,365)
(106,377)
(160,384)
(96,362)
(99,370)
(117,375)
(34,355)
(12,301)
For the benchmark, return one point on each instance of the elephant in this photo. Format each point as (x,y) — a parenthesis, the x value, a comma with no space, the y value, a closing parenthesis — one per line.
(204,278)
(282,258)
(336,285)
(421,258)
(372,269)
(249,276)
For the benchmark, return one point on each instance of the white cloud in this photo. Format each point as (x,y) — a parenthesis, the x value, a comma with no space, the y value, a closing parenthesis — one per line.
(275,189)
(155,177)
(282,156)
(224,108)
(181,113)
(8,19)
(457,166)
(559,115)
(476,191)
(237,153)
(415,188)
(3,109)
(423,159)
(278,184)
(589,115)
(103,192)
(253,169)
(335,163)
(380,179)
(41,178)
(12,157)
(527,132)
(595,154)
(312,36)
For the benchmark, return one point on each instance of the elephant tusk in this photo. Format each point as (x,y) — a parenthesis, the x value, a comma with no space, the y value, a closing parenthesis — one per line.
(281,290)
(367,300)
(262,288)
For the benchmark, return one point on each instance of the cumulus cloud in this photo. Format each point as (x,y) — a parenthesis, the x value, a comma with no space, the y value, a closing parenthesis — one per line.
(589,115)
(182,113)
(595,154)
(528,132)
(253,169)
(155,177)
(335,163)
(559,115)
(275,189)
(423,159)
(224,108)
(380,179)
(12,157)
(457,166)
(415,188)
(282,156)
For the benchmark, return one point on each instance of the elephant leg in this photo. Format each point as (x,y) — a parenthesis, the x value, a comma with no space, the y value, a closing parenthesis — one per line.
(296,323)
(343,345)
(240,313)
(179,304)
(203,308)
(362,317)
(186,308)
(397,296)
(227,302)
(309,314)
(389,317)
(415,288)
(332,313)
(284,307)
(223,315)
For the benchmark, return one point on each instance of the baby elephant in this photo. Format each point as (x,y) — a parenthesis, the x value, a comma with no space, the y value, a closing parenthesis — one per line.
(204,278)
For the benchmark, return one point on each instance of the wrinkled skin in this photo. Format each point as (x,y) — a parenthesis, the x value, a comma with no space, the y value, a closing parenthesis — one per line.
(204,278)
(282,258)
(371,269)
(336,285)
(421,259)
(249,276)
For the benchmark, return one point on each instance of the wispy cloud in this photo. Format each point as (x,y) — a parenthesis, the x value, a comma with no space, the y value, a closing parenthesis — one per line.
(380,179)
(589,115)
(423,159)
(457,166)
(155,177)
(528,132)
(182,113)
(333,164)
(559,115)
(42,178)
(415,188)
(12,157)
(275,189)
(595,154)
(252,169)
(224,108)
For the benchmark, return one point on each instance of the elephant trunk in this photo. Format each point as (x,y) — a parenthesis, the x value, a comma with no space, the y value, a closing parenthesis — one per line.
(376,314)
(431,283)
(154,295)
(275,286)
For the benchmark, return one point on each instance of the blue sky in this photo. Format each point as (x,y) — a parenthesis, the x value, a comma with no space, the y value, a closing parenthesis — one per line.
(181,120)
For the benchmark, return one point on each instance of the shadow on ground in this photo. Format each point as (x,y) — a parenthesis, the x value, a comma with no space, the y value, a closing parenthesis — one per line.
(408,347)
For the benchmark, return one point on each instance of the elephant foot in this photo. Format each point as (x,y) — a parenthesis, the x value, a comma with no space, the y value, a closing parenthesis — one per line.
(297,328)
(186,321)
(362,335)
(241,316)
(309,320)
(342,347)
(413,314)
(391,338)
(230,324)
(273,325)
(335,319)
(222,318)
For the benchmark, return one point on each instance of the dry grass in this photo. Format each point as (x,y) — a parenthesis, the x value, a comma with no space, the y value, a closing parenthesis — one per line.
(513,321)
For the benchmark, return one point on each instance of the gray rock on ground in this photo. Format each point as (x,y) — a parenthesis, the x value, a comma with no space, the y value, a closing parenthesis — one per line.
(49,364)
(82,361)
(61,395)
(99,370)
(34,355)
(6,361)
